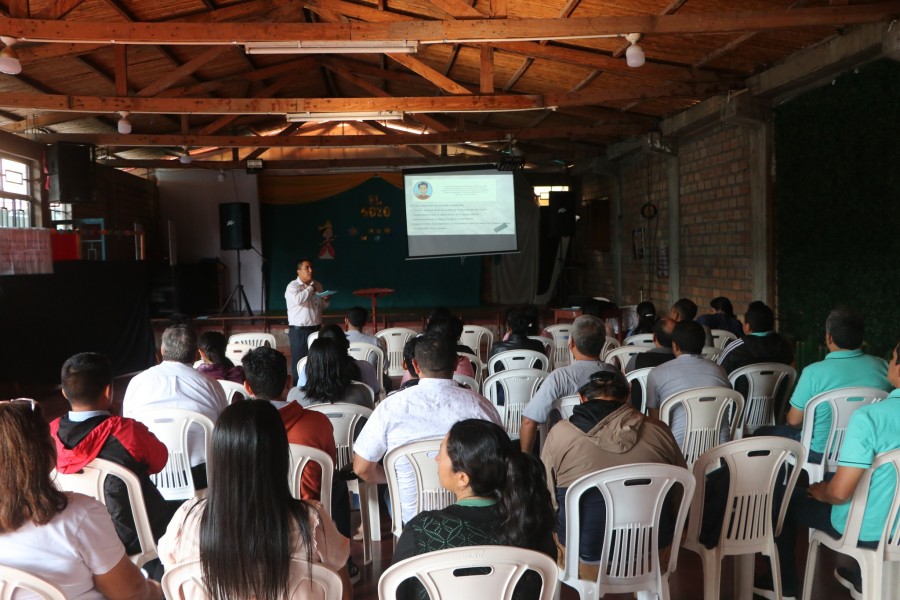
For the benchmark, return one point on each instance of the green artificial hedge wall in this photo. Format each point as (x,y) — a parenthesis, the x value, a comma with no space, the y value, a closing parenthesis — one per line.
(837,187)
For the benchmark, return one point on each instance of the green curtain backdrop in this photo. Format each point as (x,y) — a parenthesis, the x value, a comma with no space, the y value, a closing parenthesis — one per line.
(367,240)
(837,197)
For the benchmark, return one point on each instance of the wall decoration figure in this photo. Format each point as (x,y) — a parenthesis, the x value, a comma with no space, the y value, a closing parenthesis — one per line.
(326,248)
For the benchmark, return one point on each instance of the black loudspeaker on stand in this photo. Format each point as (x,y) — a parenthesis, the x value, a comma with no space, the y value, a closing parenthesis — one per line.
(234,229)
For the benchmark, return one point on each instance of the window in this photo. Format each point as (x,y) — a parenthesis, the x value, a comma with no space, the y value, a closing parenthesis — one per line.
(15,194)
(542,192)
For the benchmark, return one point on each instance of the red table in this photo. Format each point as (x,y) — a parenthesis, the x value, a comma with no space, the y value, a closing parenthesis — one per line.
(373,293)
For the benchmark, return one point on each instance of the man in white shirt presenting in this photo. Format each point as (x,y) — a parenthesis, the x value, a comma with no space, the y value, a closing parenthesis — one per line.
(304,309)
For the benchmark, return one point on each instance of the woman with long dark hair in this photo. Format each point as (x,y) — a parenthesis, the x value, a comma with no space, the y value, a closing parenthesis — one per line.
(65,538)
(328,379)
(646,313)
(501,498)
(249,527)
(212,346)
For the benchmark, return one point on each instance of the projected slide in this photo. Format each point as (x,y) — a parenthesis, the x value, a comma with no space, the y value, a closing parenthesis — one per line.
(460,212)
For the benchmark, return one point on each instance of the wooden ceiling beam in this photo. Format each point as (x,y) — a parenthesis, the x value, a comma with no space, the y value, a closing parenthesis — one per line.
(312,165)
(185,70)
(475,30)
(441,81)
(459,9)
(58,9)
(225,120)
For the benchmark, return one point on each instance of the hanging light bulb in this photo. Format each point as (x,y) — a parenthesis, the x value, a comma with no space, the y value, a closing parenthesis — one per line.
(9,58)
(124,125)
(185,157)
(634,54)
(221,176)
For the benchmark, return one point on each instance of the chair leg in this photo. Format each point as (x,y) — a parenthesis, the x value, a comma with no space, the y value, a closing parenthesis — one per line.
(809,577)
(871,578)
(743,576)
(712,574)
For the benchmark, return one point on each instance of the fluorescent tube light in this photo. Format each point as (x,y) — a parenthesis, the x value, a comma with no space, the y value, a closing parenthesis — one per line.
(322,117)
(332,47)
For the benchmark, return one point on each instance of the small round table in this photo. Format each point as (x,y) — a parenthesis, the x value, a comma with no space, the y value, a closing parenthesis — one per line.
(373,293)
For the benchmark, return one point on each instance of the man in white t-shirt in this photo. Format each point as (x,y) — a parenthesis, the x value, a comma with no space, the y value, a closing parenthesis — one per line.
(426,410)
(304,311)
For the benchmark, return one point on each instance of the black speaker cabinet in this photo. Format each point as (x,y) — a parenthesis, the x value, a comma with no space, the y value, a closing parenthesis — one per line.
(71,168)
(234,225)
(562,214)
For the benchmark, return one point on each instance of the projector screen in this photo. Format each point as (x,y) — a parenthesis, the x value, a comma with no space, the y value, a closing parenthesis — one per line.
(459,211)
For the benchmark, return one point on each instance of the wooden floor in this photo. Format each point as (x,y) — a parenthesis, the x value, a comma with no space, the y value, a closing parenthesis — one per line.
(686,583)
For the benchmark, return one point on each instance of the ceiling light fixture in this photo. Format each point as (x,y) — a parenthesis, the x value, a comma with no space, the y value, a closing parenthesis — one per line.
(221,176)
(634,54)
(332,47)
(185,157)
(9,58)
(123,125)
(322,117)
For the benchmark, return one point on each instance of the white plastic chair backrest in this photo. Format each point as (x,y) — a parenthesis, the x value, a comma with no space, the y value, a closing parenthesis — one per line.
(367,387)
(301,367)
(233,389)
(842,403)
(639,339)
(634,496)
(547,342)
(566,405)
(300,456)
(395,339)
(469,382)
(477,365)
(344,418)
(711,352)
(619,357)
(429,493)
(235,352)
(306,580)
(170,426)
(364,350)
(478,338)
(518,388)
(518,359)
(438,573)
(610,344)
(311,338)
(254,339)
(90,482)
(12,579)
(640,376)
(560,335)
(764,381)
(755,469)
(722,337)
(706,408)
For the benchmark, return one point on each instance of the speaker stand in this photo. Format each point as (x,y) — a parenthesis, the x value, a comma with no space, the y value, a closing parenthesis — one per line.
(239,292)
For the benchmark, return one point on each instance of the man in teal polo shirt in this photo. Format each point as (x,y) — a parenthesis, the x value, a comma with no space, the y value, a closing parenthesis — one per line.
(873,430)
(845,365)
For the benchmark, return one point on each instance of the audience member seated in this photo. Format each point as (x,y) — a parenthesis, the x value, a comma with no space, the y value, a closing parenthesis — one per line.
(519,325)
(425,410)
(211,345)
(175,384)
(722,317)
(328,378)
(646,313)
(354,323)
(690,369)
(358,369)
(248,528)
(410,377)
(596,307)
(686,310)
(604,431)
(586,340)
(533,314)
(760,343)
(66,539)
(662,347)
(501,498)
(441,321)
(845,365)
(873,430)
(89,431)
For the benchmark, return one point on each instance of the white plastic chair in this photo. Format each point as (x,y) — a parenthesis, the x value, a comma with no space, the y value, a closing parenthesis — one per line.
(364,351)
(877,583)
(547,342)
(640,376)
(639,339)
(477,365)
(438,573)
(233,389)
(344,420)
(301,367)
(300,457)
(619,357)
(711,352)
(170,426)
(841,404)
(560,335)
(609,345)
(90,482)
(518,388)
(518,359)
(395,339)
(706,410)
(254,339)
(235,352)
(634,496)
(722,337)
(306,580)
(754,469)
(469,382)
(429,493)
(478,338)
(566,405)
(764,381)
(368,389)
(12,579)
(311,338)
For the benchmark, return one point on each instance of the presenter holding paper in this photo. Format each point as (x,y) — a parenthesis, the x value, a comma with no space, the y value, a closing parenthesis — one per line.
(304,308)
